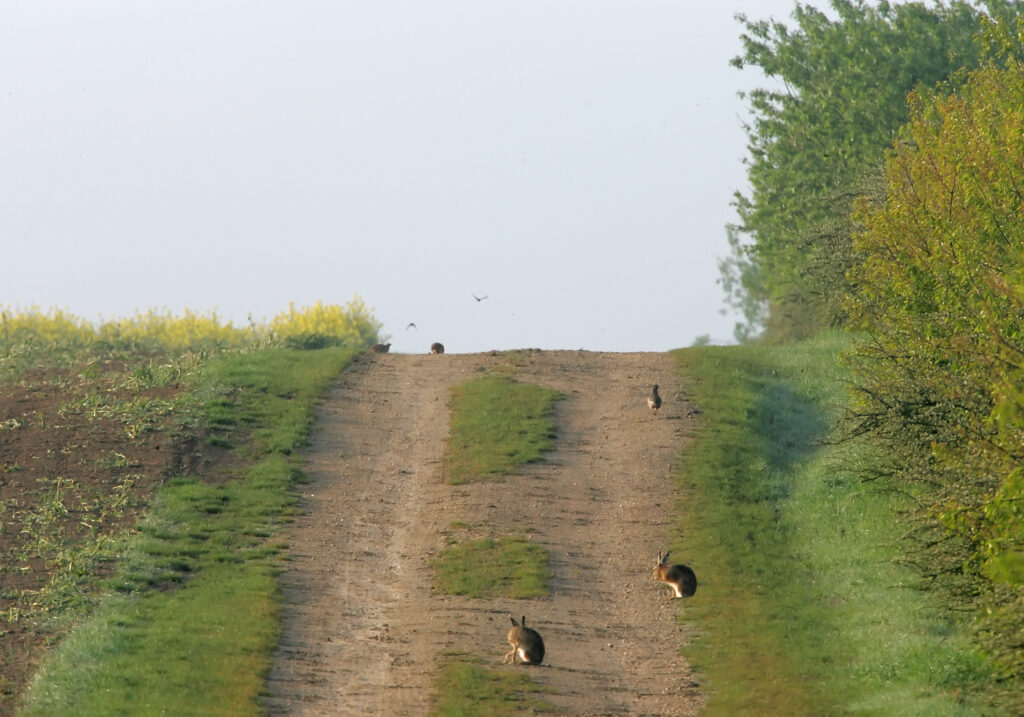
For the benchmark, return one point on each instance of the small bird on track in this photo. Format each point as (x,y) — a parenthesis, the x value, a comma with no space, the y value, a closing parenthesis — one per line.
(654,400)
(380,348)
(479,298)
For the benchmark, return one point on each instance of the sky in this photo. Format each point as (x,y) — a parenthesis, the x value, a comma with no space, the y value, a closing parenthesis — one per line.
(572,161)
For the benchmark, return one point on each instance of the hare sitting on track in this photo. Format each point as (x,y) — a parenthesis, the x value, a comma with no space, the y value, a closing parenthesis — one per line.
(526,644)
(437,348)
(680,578)
(380,348)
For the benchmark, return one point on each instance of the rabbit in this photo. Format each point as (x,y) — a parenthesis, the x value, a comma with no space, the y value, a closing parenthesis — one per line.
(680,578)
(380,348)
(526,643)
(654,400)
(437,348)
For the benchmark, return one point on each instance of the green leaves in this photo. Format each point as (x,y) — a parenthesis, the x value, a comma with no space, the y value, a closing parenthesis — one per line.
(819,132)
(938,297)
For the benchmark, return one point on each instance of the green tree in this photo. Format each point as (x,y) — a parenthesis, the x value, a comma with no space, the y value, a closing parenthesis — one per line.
(837,100)
(938,294)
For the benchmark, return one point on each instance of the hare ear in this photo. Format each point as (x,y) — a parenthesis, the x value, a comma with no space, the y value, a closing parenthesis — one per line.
(514,623)
(524,620)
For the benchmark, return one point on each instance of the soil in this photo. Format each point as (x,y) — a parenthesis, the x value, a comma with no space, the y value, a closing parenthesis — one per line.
(73,462)
(363,631)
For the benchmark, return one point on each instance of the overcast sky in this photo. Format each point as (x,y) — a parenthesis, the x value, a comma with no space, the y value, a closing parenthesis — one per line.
(572,161)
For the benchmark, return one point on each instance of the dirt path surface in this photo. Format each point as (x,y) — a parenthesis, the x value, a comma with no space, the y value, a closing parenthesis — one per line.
(362,630)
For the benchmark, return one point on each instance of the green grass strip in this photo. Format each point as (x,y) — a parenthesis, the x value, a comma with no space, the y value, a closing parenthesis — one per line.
(192,618)
(508,567)
(201,650)
(464,688)
(802,608)
(497,425)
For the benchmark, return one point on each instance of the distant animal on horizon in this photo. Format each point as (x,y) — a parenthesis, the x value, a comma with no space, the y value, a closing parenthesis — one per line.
(437,348)
(680,578)
(526,643)
(479,298)
(380,348)
(654,400)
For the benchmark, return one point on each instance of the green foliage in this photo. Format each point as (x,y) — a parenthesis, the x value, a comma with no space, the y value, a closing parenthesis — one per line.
(797,559)
(940,296)
(467,689)
(268,394)
(498,424)
(192,619)
(509,567)
(819,133)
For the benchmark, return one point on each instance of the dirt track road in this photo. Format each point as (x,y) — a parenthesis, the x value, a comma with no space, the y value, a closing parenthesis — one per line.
(362,630)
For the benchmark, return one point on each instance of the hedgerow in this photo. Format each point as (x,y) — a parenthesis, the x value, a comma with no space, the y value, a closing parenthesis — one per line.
(939,298)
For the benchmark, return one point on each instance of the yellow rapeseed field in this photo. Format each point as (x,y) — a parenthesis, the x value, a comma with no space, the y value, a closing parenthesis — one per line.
(319,324)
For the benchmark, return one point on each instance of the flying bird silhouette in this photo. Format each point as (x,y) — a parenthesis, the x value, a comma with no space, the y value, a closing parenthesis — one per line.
(410,325)
(479,298)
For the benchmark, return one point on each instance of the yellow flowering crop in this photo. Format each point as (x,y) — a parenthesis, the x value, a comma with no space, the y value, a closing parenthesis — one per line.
(320,324)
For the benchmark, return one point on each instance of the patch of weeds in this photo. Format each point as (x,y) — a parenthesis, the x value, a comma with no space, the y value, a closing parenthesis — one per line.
(465,687)
(508,567)
(497,425)
(116,460)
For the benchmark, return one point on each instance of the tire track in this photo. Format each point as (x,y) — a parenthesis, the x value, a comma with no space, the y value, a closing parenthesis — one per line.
(362,631)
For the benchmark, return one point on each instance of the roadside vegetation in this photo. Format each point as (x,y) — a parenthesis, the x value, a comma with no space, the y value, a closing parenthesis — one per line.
(193,616)
(160,572)
(886,200)
(806,605)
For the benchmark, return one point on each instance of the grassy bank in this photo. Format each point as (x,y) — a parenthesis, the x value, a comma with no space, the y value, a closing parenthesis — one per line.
(190,619)
(803,608)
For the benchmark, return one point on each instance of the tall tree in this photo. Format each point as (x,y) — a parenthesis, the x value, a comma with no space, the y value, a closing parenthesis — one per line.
(838,98)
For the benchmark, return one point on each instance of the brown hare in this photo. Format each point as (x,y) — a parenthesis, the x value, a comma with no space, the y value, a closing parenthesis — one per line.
(437,348)
(654,400)
(680,578)
(526,643)
(380,348)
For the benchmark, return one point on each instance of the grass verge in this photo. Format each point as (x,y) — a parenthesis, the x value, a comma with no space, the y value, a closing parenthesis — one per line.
(497,424)
(190,621)
(506,567)
(803,608)
(465,688)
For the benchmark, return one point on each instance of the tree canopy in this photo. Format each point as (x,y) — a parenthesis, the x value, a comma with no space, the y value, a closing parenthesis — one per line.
(817,138)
